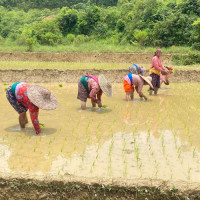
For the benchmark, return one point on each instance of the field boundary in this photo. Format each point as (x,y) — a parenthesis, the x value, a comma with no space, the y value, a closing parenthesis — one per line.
(72,187)
(73,76)
(144,58)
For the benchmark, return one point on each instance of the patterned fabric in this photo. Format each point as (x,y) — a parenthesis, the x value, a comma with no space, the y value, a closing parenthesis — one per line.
(156,66)
(155,81)
(14,103)
(127,86)
(83,94)
(22,98)
(94,92)
(136,69)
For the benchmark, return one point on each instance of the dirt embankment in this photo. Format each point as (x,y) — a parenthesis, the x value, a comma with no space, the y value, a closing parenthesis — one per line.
(72,76)
(36,189)
(144,58)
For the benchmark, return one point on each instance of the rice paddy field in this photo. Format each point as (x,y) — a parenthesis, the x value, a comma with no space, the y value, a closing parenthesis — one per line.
(7,65)
(153,140)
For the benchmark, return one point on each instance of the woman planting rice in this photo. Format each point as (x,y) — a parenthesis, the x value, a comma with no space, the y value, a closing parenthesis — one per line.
(92,87)
(24,97)
(136,69)
(132,82)
(155,71)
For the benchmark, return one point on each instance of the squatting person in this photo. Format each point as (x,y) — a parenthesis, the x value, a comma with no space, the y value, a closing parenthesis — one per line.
(24,97)
(92,87)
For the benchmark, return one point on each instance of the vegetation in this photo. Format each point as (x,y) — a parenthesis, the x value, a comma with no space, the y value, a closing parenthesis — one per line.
(137,23)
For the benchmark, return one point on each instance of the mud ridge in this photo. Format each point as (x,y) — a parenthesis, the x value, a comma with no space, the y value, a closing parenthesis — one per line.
(72,76)
(144,58)
(71,187)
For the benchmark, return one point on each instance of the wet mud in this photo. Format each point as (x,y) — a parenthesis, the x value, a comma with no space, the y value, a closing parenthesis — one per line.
(137,144)
(73,76)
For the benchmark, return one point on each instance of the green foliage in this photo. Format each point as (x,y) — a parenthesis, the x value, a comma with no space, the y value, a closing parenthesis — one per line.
(120,25)
(132,22)
(141,36)
(190,59)
(67,20)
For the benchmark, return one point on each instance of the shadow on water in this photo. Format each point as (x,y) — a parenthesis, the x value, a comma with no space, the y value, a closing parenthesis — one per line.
(96,110)
(138,100)
(29,131)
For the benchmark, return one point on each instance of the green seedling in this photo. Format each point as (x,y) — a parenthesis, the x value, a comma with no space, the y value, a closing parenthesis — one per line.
(104,106)
(42,125)
(5,89)
(60,85)
(5,84)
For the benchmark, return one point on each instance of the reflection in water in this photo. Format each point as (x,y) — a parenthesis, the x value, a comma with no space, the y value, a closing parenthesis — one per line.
(126,139)
(134,156)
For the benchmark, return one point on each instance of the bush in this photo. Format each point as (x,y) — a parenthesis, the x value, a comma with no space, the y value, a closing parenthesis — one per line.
(70,39)
(1,38)
(120,25)
(190,59)
(141,36)
(80,39)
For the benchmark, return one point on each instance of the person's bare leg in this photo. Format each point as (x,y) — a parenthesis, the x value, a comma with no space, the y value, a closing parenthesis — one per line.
(93,104)
(156,91)
(127,96)
(22,121)
(150,92)
(26,119)
(132,94)
(83,105)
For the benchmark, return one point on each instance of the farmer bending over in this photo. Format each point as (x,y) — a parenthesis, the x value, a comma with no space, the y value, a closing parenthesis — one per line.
(92,87)
(24,97)
(132,81)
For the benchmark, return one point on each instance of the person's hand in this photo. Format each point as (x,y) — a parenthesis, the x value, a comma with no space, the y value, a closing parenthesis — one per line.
(166,70)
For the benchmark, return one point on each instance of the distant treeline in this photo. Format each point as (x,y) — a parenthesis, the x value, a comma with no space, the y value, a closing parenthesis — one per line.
(161,23)
(52,4)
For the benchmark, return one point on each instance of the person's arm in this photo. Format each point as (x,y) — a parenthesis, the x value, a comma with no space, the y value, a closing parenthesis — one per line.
(34,112)
(92,95)
(139,89)
(99,94)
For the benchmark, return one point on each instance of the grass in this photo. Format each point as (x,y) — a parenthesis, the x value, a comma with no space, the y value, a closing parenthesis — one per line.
(98,46)
(6,65)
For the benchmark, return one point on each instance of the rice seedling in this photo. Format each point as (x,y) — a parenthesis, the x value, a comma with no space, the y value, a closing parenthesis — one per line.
(189,173)
(60,85)
(5,89)
(42,125)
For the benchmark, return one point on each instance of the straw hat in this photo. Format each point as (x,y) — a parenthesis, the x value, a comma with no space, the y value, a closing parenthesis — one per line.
(42,98)
(147,79)
(105,85)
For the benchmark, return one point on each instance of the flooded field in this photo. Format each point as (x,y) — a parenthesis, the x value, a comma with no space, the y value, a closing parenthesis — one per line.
(157,139)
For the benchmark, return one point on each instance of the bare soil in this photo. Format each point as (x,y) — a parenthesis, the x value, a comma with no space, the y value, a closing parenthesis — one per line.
(144,58)
(21,188)
(72,76)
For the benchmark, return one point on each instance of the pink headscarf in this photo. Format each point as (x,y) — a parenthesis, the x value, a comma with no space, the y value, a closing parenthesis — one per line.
(157,51)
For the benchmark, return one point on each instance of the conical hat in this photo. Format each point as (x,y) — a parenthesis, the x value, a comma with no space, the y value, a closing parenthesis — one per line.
(147,79)
(42,97)
(105,85)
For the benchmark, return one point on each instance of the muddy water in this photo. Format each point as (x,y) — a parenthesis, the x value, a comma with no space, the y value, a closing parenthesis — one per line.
(157,139)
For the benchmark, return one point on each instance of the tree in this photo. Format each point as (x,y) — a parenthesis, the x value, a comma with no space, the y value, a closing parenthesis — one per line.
(67,20)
